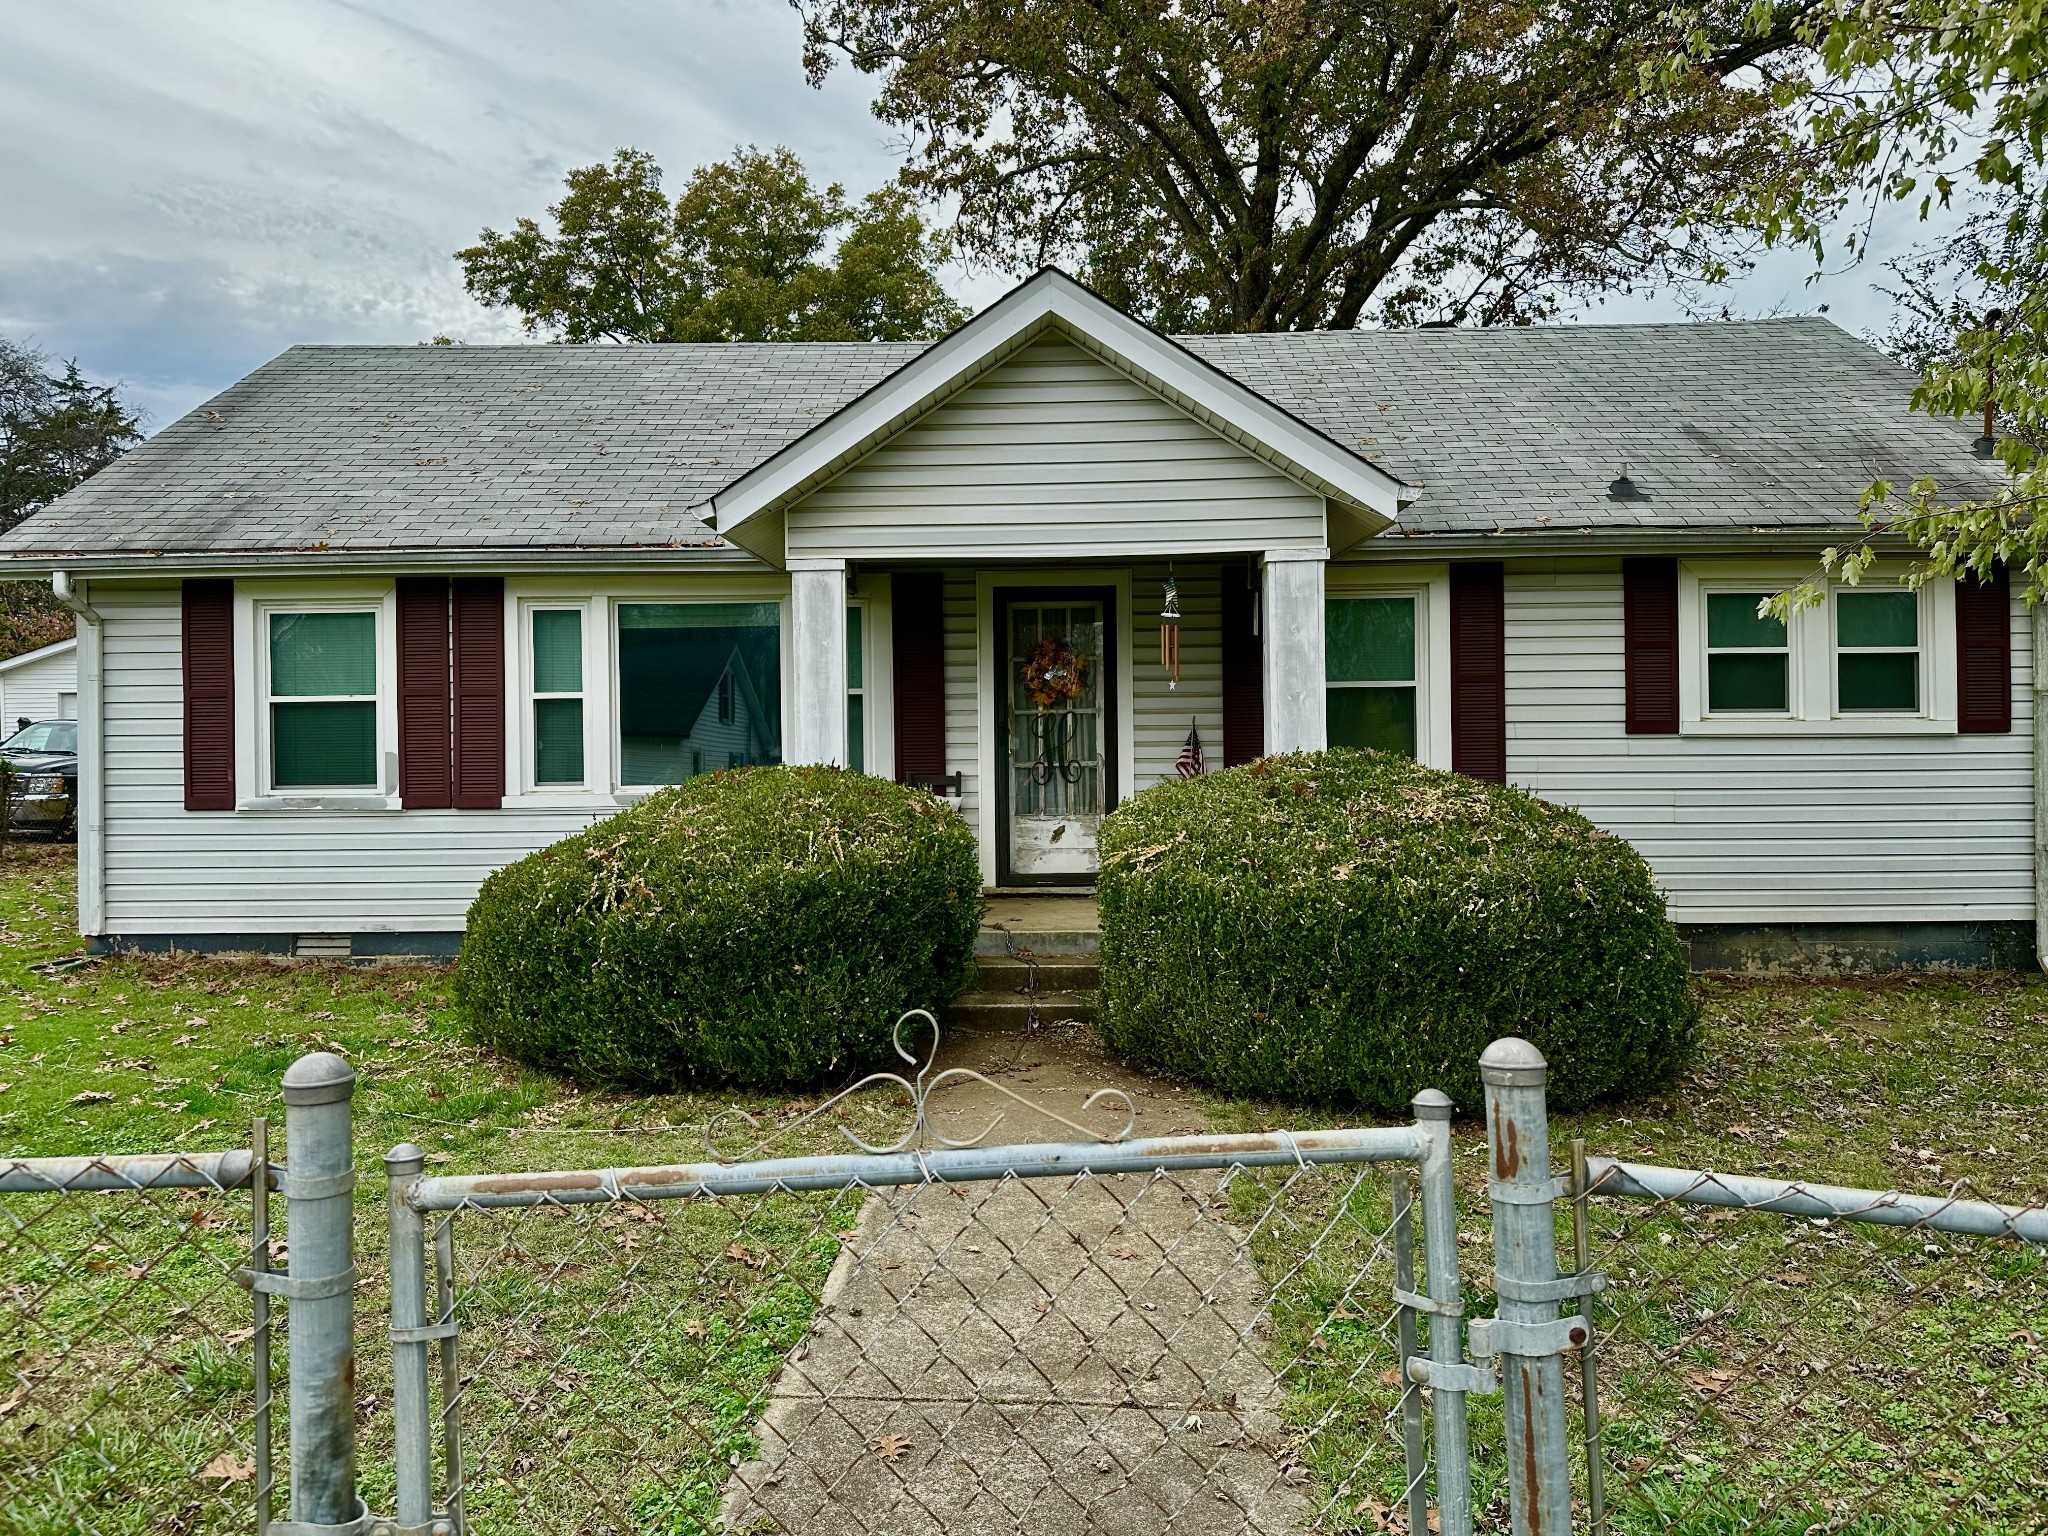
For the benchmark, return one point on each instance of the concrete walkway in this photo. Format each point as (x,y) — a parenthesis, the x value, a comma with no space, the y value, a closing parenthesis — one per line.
(1032,1357)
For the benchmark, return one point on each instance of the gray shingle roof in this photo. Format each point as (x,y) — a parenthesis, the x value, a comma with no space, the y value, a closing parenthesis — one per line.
(1749,424)
(1763,423)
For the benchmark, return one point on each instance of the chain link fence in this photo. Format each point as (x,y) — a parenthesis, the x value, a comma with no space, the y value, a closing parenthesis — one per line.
(134,1379)
(1202,1351)
(1787,1357)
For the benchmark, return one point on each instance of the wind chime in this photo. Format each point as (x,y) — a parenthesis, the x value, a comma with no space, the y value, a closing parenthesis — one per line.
(1169,633)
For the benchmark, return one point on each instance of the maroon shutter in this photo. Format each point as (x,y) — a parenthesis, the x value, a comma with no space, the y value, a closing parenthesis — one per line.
(1244,673)
(479,692)
(423,742)
(1649,627)
(1984,654)
(1479,670)
(209,648)
(917,618)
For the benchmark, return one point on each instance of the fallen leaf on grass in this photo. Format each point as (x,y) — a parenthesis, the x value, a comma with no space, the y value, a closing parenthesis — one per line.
(890,1447)
(229,1468)
(92,1096)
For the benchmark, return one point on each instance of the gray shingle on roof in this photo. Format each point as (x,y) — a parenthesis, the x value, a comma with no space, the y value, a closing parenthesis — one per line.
(1730,425)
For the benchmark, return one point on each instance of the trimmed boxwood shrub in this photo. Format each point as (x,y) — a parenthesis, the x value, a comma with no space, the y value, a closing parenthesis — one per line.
(1351,926)
(763,927)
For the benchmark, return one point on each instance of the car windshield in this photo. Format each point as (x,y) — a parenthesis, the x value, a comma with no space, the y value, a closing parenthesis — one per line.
(44,736)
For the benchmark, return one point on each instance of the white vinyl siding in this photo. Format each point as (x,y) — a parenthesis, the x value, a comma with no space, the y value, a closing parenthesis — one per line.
(39,688)
(168,872)
(1055,455)
(1162,715)
(1779,829)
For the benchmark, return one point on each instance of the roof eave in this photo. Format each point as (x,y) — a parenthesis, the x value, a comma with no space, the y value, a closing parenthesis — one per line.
(1044,303)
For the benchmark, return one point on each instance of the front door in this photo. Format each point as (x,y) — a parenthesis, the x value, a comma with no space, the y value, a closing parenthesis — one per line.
(1058,732)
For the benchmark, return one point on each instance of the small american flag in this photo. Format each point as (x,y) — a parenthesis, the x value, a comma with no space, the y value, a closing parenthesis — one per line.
(1190,764)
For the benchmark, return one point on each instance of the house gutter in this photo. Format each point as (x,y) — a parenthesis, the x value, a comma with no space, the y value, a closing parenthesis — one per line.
(91,810)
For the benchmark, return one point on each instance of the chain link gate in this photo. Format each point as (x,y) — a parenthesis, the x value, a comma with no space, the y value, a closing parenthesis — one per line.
(1207,1333)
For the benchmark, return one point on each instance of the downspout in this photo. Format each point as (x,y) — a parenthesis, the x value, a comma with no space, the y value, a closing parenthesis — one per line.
(2040,612)
(91,814)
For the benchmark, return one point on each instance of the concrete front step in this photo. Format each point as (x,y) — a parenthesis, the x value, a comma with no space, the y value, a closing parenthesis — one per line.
(1045,925)
(1053,973)
(1008,1010)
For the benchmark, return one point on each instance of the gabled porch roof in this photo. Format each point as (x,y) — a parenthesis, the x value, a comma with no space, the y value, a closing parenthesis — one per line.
(1361,498)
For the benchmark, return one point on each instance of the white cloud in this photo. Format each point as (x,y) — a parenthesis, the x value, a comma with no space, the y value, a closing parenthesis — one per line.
(193,185)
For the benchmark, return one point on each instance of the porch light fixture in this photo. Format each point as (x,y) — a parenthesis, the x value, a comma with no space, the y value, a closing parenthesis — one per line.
(1169,633)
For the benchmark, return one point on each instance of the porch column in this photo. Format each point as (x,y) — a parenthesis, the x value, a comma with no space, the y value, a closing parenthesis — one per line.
(1291,622)
(817,638)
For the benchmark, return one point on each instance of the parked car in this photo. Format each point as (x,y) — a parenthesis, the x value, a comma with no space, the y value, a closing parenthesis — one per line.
(42,783)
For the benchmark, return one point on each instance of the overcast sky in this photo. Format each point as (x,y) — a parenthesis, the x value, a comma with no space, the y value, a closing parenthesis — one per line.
(187,187)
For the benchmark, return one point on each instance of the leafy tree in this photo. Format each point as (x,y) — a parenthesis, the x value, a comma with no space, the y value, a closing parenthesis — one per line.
(1918,98)
(741,255)
(56,428)
(1293,164)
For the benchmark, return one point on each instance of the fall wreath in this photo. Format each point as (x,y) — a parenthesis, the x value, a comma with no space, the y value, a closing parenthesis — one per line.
(1054,673)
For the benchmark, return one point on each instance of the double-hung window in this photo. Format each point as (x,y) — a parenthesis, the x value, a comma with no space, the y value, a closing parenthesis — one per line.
(1877,652)
(557,662)
(321,685)
(1749,657)
(856,690)
(1370,663)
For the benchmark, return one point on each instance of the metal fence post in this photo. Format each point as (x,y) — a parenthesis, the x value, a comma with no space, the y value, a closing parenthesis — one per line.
(410,1410)
(1527,1336)
(1448,1373)
(319,1183)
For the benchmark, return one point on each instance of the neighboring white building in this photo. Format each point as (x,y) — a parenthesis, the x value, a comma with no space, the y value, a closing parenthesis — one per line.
(39,685)
(377,620)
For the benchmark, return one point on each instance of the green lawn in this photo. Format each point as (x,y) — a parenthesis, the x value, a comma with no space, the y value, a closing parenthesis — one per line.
(123,1358)
(1764,1375)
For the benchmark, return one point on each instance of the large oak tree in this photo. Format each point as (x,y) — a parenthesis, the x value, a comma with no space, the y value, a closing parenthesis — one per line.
(1292,164)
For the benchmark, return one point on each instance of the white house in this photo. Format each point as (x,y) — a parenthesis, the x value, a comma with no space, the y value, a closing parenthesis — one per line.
(39,685)
(377,620)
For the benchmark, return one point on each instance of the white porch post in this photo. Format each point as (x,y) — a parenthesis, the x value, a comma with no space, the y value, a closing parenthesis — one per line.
(1291,622)
(817,635)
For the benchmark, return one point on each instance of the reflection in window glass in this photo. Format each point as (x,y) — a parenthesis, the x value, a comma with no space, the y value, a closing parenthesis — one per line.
(1748,660)
(1370,666)
(1877,652)
(323,700)
(698,683)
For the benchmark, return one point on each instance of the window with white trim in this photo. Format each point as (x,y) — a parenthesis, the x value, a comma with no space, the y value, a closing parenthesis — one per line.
(1371,670)
(1749,657)
(320,697)
(1877,658)
(556,673)
(699,687)
(1877,651)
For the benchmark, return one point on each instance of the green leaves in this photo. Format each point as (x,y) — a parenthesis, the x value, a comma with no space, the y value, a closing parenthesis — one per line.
(741,255)
(762,927)
(1275,165)
(56,428)
(1351,927)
